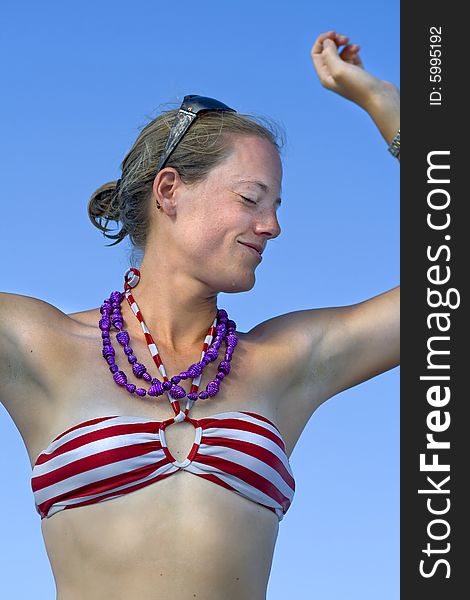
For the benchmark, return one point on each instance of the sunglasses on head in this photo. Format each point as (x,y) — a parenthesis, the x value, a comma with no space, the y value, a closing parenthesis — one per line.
(190,108)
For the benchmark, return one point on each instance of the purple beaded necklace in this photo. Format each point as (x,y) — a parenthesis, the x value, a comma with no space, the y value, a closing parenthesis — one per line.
(222,326)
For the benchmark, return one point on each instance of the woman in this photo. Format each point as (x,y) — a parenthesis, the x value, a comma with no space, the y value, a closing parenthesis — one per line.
(179,494)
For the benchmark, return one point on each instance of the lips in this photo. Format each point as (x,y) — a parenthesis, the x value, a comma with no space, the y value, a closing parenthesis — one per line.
(258,248)
(255,249)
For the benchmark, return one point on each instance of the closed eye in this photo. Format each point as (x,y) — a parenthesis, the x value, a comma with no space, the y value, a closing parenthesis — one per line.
(247,199)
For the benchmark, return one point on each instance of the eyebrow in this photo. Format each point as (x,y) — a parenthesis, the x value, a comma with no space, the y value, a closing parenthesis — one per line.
(262,185)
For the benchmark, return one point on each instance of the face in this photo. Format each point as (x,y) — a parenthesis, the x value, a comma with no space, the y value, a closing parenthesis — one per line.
(235,205)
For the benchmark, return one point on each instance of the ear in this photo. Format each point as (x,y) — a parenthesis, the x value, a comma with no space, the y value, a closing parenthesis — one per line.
(165,188)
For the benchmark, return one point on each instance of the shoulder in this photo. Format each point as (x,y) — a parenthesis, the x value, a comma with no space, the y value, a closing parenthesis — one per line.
(325,351)
(291,333)
(302,348)
(41,359)
(36,350)
(290,344)
(25,320)
(15,306)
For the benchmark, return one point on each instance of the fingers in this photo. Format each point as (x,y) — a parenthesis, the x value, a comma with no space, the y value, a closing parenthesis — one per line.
(349,51)
(330,57)
(325,49)
(350,54)
(339,39)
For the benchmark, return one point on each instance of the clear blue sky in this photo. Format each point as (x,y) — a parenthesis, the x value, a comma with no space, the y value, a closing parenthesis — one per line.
(79,79)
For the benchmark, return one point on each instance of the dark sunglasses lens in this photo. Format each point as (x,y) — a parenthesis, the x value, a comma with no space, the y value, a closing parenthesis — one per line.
(196,104)
(193,104)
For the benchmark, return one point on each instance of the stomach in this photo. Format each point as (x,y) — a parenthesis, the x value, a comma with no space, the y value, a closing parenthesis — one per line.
(180,539)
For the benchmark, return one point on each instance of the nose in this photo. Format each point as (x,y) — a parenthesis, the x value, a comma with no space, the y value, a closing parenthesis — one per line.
(268,225)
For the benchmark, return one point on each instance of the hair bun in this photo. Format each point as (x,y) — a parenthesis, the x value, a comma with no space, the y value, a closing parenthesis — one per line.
(103,207)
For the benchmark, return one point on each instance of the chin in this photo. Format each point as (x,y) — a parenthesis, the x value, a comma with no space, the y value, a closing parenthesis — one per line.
(240,284)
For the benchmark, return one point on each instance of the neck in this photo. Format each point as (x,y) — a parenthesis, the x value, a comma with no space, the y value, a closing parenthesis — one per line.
(177,309)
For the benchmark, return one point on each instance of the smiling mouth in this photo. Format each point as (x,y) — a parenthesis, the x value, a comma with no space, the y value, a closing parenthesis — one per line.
(253,250)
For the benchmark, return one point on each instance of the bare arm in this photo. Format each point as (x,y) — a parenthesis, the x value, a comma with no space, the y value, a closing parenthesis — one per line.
(343,72)
(362,340)
(359,342)
(29,353)
(327,350)
(336,348)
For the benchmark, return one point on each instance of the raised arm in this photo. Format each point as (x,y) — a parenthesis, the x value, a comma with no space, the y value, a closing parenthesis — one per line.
(362,340)
(343,72)
(336,348)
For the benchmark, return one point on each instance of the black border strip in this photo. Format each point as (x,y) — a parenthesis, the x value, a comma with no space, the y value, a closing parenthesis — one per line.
(434,270)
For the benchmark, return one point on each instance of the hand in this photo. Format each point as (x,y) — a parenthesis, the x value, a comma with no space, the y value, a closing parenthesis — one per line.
(345,73)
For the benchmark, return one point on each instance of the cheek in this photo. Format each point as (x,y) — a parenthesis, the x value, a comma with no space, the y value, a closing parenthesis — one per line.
(216,237)
(206,239)
(214,227)
(219,229)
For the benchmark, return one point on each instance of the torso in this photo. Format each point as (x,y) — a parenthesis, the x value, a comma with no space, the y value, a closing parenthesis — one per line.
(183,537)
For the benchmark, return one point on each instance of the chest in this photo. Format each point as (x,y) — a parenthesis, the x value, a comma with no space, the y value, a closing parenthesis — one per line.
(87,391)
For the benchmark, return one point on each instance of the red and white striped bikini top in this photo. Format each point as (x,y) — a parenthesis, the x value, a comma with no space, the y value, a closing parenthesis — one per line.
(107,457)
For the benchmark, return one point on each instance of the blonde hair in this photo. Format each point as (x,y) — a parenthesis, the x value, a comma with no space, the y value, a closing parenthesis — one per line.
(204,146)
